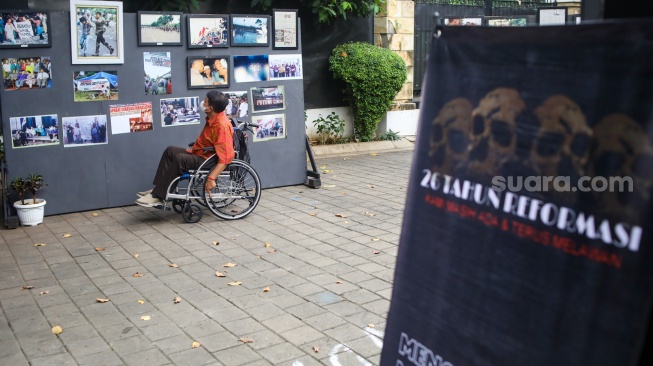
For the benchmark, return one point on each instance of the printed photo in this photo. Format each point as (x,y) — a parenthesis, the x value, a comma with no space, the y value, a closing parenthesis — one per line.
(27,73)
(463,21)
(159,28)
(95,86)
(96,32)
(84,130)
(284,67)
(158,79)
(250,30)
(251,68)
(180,111)
(271,127)
(268,99)
(506,22)
(24,29)
(285,27)
(206,31)
(127,118)
(208,72)
(32,131)
(238,106)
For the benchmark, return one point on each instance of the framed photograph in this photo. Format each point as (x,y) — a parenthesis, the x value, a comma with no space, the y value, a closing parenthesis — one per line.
(95,86)
(157,28)
(251,68)
(208,72)
(158,73)
(463,21)
(506,21)
(284,67)
(26,73)
(250,30)
(271,127)
(33,131)
(180,111)
(29,29)
(84,130)
(552,16)
(96,34)
(128,118)
(238,106)
(268,99)
(207,31)
(284,29)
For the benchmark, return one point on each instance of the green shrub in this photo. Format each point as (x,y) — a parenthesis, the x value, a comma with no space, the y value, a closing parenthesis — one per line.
(329,128)
(373,76)
(390,135)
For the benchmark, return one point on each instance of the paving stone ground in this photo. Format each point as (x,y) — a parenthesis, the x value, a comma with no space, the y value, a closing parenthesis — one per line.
(329,280)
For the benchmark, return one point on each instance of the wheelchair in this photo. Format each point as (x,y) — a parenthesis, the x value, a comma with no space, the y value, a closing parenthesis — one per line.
(236,194)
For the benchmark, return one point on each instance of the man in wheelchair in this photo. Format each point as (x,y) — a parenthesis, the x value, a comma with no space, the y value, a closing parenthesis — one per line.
(217,133)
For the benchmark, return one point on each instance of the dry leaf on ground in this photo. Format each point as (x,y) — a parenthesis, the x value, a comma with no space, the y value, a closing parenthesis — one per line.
(94,214)
(146,317)
(312,214)
(246,340)
(338,282)
(137,274)
(141,302)
(375,239)
(39,245)
(370,325)
(99,249)
(326,171)
(44,292)
(229,265)
(216,243)
(67,235)
(370,186)
(195,344)
(346,222)
(136,255)
(101,300)
(316,349)
(57,330)
(176,300)
(272,250)
(374,154)
(341,215)
(376,252)
(323,167)
(173,265)
(237,283)
(219,274)
(267,245)
(267,289)
(329,185)
(28,287)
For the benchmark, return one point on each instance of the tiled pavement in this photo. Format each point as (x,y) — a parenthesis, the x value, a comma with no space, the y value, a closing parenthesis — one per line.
(329,280)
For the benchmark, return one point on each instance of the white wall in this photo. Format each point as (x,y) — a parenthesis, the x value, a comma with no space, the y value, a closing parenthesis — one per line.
(402,122)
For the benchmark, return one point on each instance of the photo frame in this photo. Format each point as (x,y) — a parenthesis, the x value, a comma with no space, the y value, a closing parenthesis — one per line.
(271,127)
(26,73)
(286,66)
(80,131)
(33,29)
(285,26)
(459,21)
(266,99)
(34,131)
(95,86)
(205,72)
(180,111)
(555,15)
(506,21)
(251,68)
(159,28)
(106,28)
(207,31)
(250,31)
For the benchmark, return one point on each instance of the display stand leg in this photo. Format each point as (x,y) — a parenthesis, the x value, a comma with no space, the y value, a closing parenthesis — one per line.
(312,176)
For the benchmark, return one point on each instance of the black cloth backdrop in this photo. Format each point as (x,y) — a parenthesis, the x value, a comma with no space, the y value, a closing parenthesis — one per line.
(529,278)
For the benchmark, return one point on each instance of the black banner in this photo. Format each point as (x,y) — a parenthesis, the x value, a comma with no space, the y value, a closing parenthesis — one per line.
(557,270)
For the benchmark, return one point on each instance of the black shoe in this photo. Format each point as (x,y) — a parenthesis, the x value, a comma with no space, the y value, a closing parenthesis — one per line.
(111,51)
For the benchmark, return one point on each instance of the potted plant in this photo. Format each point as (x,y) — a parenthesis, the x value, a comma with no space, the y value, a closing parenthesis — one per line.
(31,211)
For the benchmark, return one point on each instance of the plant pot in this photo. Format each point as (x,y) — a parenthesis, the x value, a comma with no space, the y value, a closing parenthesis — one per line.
(30,214)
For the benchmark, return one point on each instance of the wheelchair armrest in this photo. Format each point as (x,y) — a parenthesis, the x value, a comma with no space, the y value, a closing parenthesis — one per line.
(209,148)
(191,144)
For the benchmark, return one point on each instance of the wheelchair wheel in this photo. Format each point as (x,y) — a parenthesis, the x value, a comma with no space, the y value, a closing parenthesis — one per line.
(178,205)
(191,213)
(237,192)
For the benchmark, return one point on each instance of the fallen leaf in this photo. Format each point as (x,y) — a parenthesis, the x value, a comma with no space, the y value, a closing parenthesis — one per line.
(146,317)
(195,344)
(57,330)
(370,325)
(141,302)
(376,252)
(216,243)
(313,214)
(271,251)
(341,215)
(44,292)
(173,265)
(137,274)
(28,287)
(370,214)
(267,289)
(316,349)
(136,255)
(339,282)
(229,265)
(323,167)
(237,283)
(370,186)
(329,185)
(101,300)
(246,340)
(99,249)
(346,222)
(177,300)
(267,245)
(94,214)
(219,274)
(374,154)
(269,220)
(67,235)
(375,239)
(39,245)
(326,171)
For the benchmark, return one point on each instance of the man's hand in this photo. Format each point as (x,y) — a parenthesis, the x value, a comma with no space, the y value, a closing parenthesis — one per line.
(210,184)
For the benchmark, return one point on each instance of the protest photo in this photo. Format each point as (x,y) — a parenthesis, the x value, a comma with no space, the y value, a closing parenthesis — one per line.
(97,36)
(284,67)
(27,73)
(238,106)
(158,79)
(271,127)
(23,29)
(127,118)
(268,99)
(84,130)
(180,111)
(206,31)
(158,29)
(95,86)
(32,131)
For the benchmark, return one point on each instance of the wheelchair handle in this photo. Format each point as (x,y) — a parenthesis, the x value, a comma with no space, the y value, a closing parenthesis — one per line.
(244,125)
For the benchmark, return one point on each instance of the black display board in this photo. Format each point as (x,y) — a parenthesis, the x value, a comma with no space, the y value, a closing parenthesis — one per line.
(102,176)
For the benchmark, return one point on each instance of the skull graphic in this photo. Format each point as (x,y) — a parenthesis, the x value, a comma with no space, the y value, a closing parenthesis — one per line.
(621,148)
(450,135)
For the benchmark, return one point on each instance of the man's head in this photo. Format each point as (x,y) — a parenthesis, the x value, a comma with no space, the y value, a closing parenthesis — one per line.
(82,20)
(98,15)
(197,65)
(207,70)
(215,102)
(220,64)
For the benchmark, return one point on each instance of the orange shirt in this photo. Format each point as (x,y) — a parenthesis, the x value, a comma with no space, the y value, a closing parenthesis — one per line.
(217,132)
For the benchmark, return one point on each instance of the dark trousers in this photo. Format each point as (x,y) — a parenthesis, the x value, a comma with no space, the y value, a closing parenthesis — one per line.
(174,162)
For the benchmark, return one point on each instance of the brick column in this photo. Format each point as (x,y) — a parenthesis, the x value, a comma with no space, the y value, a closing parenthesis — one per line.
(394,29)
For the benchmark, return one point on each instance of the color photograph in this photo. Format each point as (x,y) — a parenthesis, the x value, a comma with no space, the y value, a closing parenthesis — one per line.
(33,131)
(238,106)
(159,28)
(84,130)
(463,21)
(284,67)
(96,32)
(24,29)
(271,127)
(158,74)
(506,22)
(127,118)
(268,99)
(27,73)
(207,31)
(251,68)
(95,86)
(250,30)
(180,111)
(208,72)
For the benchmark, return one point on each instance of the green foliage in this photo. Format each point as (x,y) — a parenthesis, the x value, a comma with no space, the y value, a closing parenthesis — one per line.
(19,185)
(33,183)
(331,9)
(373,76)
(329,128)
(390,135)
